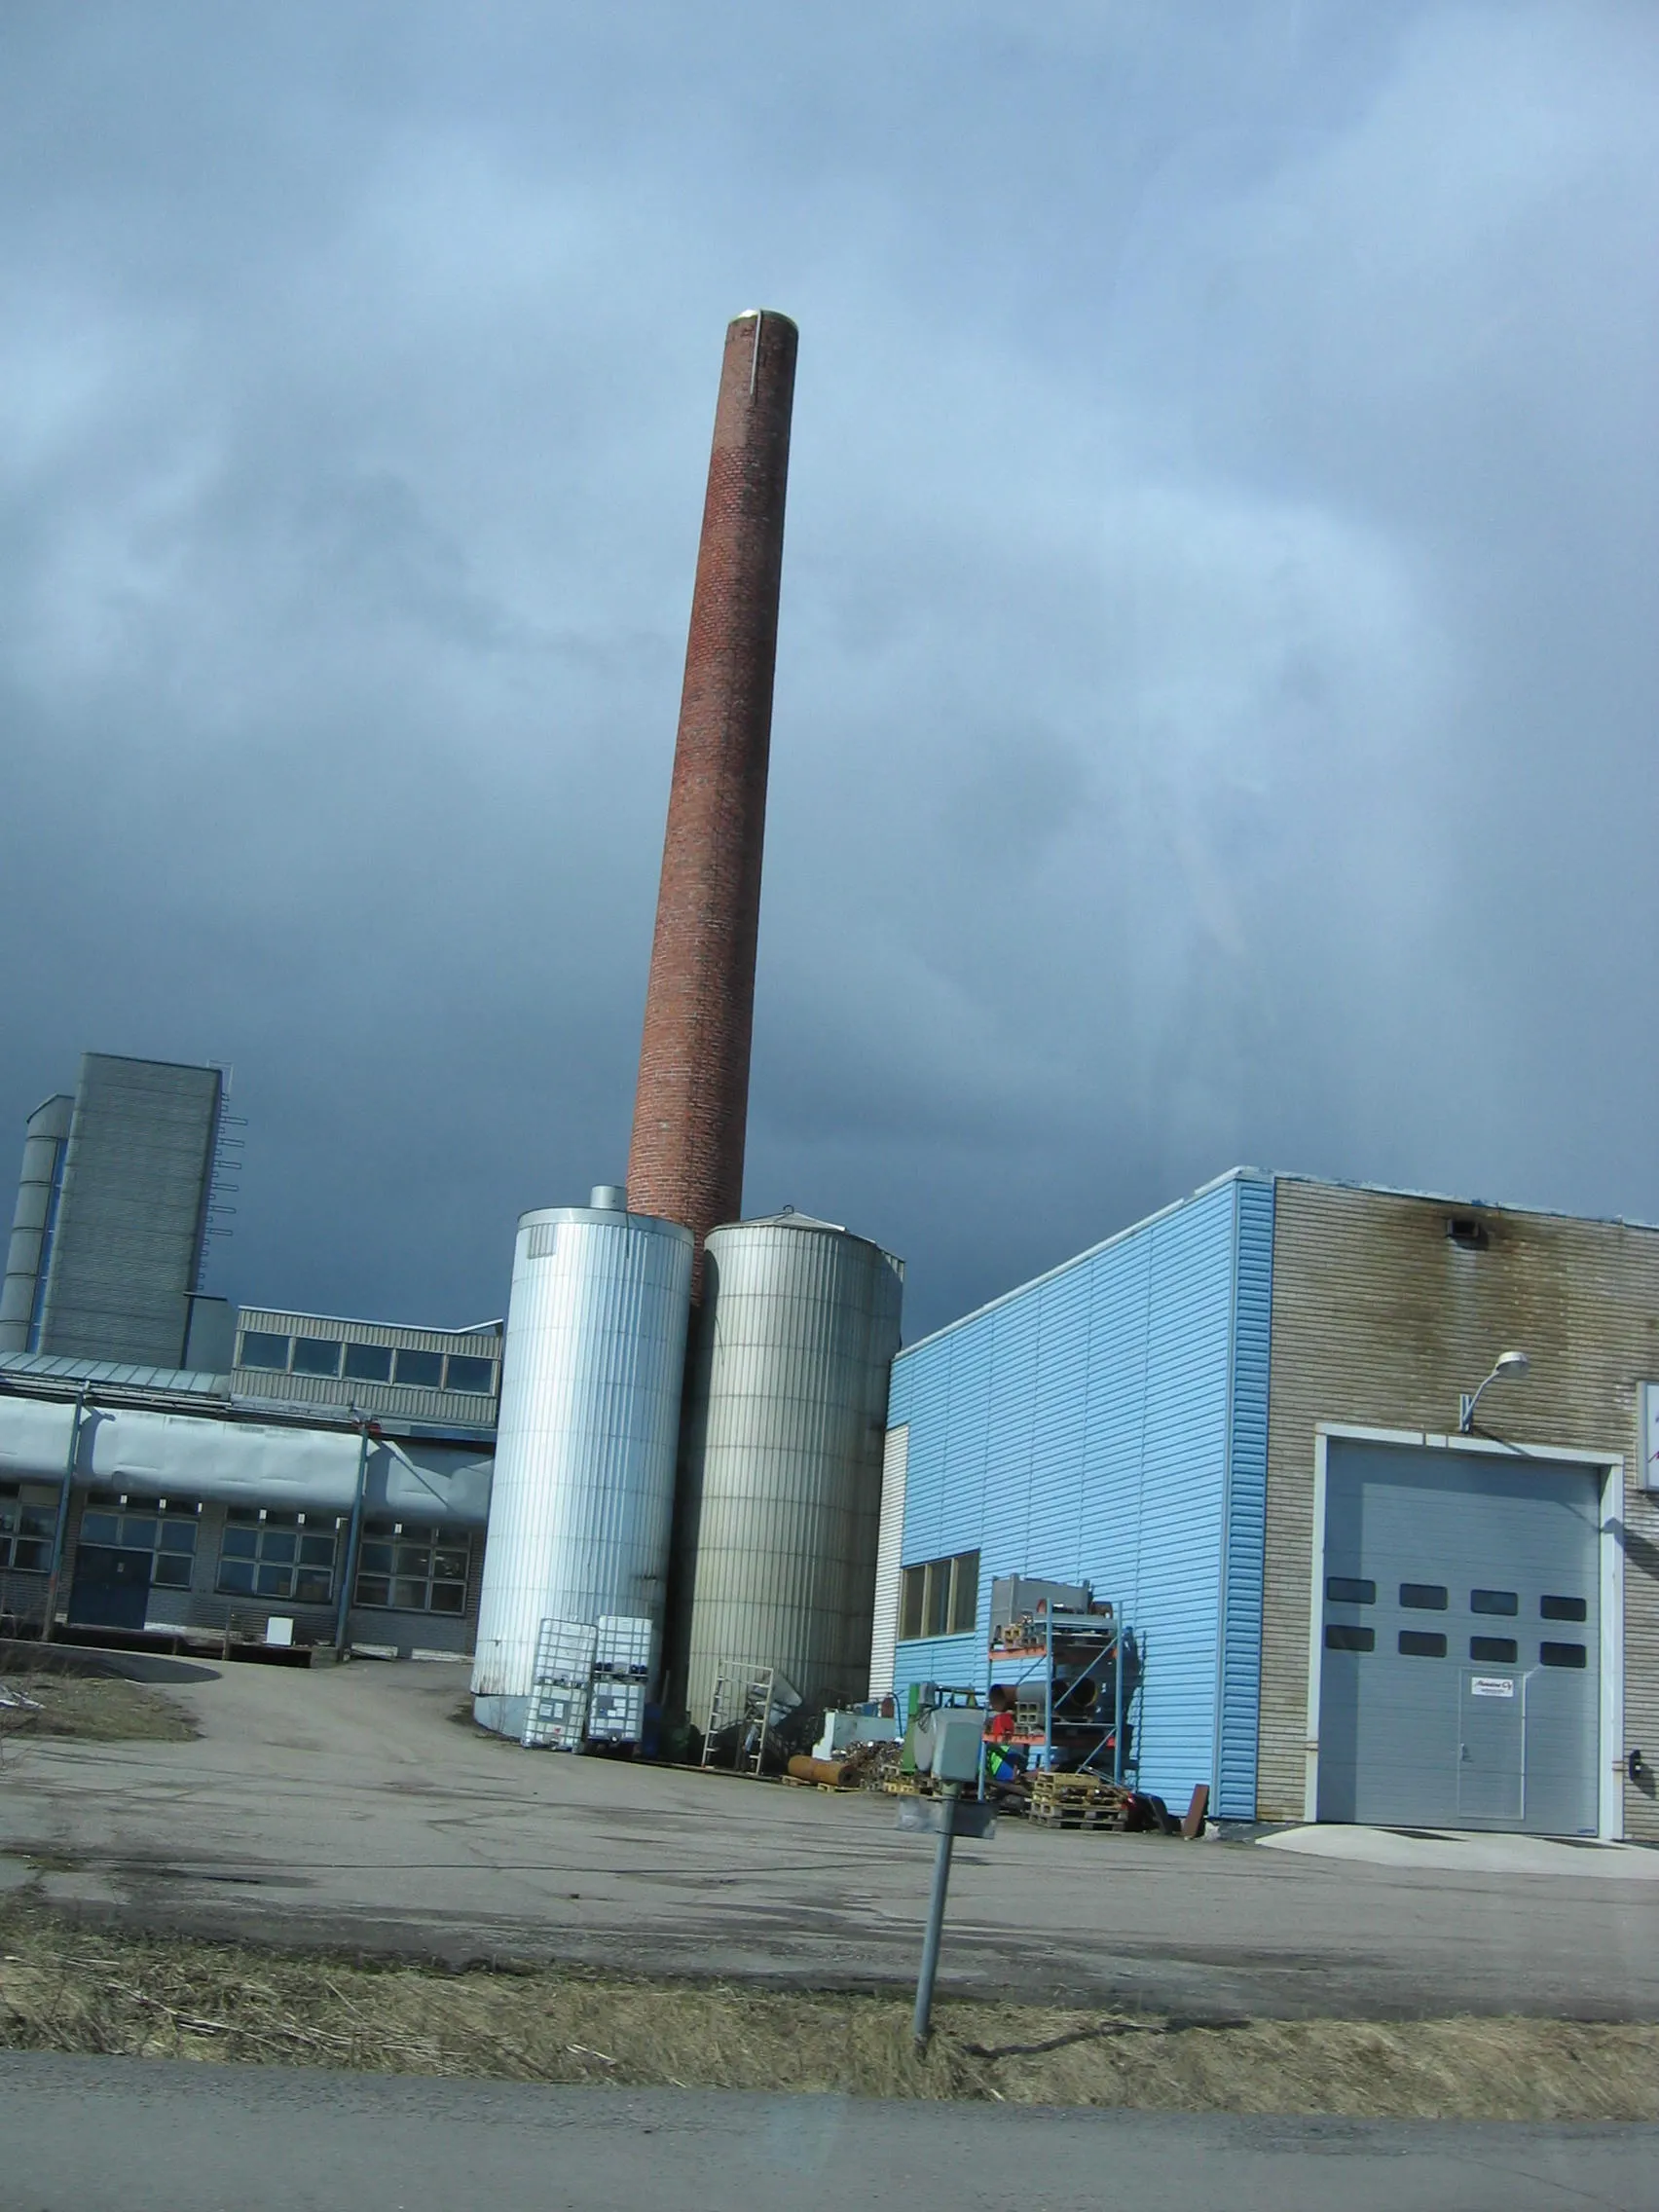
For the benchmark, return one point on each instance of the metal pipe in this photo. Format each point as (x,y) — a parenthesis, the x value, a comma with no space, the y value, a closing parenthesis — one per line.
(353,1535)
(60,1534)
(921,2026)
(1117,1696)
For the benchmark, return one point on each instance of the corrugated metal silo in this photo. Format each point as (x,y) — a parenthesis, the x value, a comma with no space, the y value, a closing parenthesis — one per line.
(31,1225)
(780,1474)
(583,1501)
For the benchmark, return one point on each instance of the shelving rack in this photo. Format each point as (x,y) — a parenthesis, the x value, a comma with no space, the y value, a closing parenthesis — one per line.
(1077,1680)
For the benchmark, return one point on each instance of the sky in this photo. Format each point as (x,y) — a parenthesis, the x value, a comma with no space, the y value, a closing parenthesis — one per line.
(1218,668)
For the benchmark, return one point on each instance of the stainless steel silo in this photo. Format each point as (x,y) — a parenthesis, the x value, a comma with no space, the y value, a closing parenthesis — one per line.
(780,1469)
(581,1504)
(46,1134)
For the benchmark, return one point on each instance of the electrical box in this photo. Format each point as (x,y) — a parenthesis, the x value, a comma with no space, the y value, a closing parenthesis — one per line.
(957,1738)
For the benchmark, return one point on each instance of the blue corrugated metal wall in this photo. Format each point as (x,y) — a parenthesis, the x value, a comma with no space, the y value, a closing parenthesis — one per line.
(1108,1424)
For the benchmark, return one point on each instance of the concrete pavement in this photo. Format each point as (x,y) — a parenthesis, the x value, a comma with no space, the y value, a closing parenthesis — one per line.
(143,2135)
(350,1806)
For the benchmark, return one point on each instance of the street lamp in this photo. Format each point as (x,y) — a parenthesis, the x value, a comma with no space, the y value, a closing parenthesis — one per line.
(1508,1363)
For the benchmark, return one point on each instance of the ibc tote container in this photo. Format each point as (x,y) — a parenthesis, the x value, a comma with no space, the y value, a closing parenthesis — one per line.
(581,1505)
(781,1476)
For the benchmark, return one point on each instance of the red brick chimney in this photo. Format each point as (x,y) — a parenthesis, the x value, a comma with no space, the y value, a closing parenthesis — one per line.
(685,1161)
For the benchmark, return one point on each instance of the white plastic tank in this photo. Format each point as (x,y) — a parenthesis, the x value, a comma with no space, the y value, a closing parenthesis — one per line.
(581,1504)
(781,1472)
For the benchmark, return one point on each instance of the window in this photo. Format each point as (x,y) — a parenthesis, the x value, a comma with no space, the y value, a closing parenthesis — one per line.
(1562,1655)
(477,1375)
(1564,1609)
(1496,1650)
(1345,1590)
(421,1370)
(260,1349)
(941,1596)
(1423,1596)
(1494,1601)
(412,1569)
(1339,1636)
(1421,1644)
(368,1363)
(164,1527)
(317,1355)
(279,1555)
(28,1521)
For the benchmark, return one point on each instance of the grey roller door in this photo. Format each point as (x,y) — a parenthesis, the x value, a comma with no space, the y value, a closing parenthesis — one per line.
(1459,1670)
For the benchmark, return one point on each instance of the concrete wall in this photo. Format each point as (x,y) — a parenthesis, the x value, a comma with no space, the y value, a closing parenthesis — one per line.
(1380,1319)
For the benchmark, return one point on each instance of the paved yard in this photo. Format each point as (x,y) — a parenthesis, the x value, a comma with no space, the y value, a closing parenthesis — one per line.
(351,1806)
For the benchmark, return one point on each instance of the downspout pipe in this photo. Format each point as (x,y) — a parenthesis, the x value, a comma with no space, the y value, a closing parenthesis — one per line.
(61,1533)
(354,1534)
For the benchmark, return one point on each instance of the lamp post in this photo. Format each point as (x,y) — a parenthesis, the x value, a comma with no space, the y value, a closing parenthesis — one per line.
(1508,1363)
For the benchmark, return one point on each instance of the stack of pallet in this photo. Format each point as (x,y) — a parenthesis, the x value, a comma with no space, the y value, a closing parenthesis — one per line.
(1078,1801)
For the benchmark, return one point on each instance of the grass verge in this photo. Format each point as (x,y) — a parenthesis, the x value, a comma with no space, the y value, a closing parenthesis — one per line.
(99,1708)
(69,1987)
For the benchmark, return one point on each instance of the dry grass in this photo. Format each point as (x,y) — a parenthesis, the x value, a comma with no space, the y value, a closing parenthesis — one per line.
(64,1988)
(101,1708)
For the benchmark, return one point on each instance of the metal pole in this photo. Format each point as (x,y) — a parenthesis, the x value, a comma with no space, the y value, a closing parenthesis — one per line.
(921,2025)
(1117,1695)
(352,1536)
(60,1534)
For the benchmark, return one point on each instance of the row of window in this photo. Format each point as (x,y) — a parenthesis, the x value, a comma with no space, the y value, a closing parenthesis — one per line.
(1427,1643)
(402,1566)
(29,1518)
(332,1357)
(1434,1598)
(941,1596)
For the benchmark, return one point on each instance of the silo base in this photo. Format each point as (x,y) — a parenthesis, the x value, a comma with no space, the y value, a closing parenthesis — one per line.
(501,1716)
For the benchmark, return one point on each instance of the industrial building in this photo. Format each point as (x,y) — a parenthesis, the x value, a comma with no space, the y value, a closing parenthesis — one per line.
(1340,1503)
(1245,1424)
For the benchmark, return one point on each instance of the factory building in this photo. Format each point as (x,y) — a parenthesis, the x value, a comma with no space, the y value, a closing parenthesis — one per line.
(1347,1592)
(331,1488)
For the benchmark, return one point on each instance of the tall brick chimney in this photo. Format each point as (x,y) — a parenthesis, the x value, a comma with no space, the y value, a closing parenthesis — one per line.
(686,1161)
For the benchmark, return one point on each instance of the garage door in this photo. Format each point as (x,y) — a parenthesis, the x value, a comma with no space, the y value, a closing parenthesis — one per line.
(1460,1678)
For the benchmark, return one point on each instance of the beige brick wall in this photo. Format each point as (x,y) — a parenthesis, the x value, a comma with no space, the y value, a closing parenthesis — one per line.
(1381,1321)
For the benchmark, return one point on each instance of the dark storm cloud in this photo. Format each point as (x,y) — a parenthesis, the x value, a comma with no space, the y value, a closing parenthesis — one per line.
(1217,673)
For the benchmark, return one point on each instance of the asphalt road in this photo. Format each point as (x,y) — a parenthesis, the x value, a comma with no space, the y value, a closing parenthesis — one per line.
(349,1807)
(138,2135)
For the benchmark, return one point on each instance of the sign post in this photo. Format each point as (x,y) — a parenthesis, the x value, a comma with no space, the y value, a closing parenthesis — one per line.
(949,1744)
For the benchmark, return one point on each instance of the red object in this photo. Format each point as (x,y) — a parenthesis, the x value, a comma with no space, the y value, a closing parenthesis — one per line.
(691,1107)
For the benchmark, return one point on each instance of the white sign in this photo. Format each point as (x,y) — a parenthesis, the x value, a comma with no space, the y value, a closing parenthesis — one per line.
(1650,1436)
(1491,1685)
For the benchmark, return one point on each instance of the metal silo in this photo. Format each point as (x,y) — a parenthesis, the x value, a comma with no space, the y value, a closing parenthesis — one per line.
(26,1255)
(582,1500)
(781,1471)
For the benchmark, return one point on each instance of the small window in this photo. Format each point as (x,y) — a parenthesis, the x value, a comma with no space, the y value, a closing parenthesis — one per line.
(1564,1609)
(260,1349)
(1421,1644)
(475,1375)
(317,1355)
(1494,1651)
(941,1596)
(368,1363)
(911,1591)
(421,1370)
(1339,1636)
(1423,1598)
(1494,1601)
(1562,1655)
(1345,1590)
